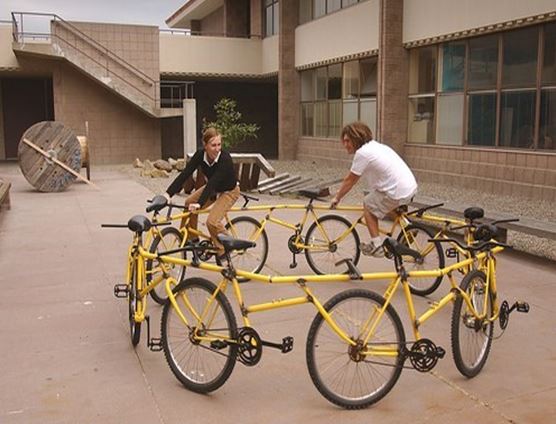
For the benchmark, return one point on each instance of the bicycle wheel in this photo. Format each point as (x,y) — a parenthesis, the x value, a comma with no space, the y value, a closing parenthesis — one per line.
(133,306)
(169,238)
(341,376)
(472,338)
(417,238)
(201,365)
(323,250)
(253,259)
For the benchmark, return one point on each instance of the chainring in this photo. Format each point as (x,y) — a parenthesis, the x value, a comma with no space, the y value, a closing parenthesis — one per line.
(423,355)
(291,244)
(208,252)
(504,317)
(250,347)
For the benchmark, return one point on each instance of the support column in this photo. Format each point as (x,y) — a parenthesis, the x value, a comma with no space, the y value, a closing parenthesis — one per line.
(255,21)
(189,126)
(288,81)
(392,76)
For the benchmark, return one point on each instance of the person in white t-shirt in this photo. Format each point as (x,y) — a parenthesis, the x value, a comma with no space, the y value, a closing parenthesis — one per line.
(389,180)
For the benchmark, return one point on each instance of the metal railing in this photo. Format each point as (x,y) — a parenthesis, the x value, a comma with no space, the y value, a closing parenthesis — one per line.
(172,93)
(20,35)
(45,27)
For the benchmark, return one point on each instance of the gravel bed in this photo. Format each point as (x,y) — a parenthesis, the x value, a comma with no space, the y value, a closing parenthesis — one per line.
(510,205)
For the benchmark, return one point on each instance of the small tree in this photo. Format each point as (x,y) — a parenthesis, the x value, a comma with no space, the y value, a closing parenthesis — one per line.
(229,125)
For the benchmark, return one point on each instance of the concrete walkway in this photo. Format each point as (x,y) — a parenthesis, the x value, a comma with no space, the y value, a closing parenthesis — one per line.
(66,355)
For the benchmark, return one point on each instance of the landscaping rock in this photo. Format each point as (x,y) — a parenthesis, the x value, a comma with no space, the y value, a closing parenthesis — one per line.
(163,165)
(137,163)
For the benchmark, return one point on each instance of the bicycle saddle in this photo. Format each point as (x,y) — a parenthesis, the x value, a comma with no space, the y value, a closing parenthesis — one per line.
(139,224)
(398,249)
(473,213)
(231,243)
(485,232)
(313,193)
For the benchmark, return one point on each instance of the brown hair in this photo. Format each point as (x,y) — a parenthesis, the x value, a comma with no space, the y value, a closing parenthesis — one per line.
(209,134)
(358,132)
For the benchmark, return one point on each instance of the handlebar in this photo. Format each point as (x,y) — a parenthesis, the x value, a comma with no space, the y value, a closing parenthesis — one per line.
(482,246)
(419,212)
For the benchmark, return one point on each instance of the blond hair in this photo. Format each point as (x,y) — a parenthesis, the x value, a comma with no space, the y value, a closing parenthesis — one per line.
(209,134)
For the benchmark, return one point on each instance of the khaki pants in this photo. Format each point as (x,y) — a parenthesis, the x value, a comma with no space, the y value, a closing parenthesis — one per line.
(220,206)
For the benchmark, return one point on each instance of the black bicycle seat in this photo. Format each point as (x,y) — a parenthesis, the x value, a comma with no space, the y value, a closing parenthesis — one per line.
(473,213)
(485,232)
(139,224)
(398,249)
(231,243)
(313,193)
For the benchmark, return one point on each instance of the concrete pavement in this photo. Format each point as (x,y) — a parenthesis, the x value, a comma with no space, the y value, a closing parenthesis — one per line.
(66,355)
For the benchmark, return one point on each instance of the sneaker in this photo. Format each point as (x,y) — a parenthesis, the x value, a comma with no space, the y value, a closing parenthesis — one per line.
(369,249)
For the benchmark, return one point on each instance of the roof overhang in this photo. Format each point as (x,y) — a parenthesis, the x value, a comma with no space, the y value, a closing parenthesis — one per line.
(193,10)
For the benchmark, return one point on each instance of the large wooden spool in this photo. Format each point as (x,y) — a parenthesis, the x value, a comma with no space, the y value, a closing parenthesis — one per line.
(61,144)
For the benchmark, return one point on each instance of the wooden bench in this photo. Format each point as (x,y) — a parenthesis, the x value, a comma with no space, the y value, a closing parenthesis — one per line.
(542,229)
(5,194)
(248,167)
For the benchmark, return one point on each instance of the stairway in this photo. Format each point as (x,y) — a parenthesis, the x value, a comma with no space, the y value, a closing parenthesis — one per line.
(67,42)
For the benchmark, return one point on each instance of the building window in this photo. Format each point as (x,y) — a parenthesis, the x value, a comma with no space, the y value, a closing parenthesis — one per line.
(271,17)
(314,9)
(333,96)
(547,132)
(485,91)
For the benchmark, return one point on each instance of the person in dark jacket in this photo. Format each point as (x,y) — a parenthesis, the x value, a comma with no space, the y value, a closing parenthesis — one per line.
(221,190)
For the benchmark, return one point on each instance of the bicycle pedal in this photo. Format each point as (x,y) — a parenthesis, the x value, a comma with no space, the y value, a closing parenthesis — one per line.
(121,290)
(522,307)
(293,265)
(451,252)
(155,344)
(218,344)
(287,344)
(440,352)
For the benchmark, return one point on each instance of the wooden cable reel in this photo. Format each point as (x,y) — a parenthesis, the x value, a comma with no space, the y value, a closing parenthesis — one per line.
(50,156)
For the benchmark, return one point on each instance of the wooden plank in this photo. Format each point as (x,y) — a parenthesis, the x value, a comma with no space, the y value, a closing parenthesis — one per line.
(279,189)
(244,178)
(281,183)
(303,183)
(272,180)
(255,174)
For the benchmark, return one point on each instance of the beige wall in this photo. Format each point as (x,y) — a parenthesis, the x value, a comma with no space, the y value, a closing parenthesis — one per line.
(345,32)
(7,56)
(524,174)
(136,44)
(210,55)
(428,18)
(118,132)
(270,55)
(325,151)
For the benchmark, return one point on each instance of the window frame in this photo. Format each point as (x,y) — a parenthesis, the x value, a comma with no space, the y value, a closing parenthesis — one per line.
(499,90)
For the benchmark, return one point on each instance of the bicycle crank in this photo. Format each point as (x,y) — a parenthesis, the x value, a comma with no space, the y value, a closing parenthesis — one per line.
(505,311)
(424,355)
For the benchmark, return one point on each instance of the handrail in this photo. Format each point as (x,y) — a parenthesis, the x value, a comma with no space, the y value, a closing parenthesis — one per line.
(87,37)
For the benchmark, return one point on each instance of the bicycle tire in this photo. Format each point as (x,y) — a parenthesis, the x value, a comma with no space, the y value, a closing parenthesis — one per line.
(133,306)
(169,238)
(419,241)
(189,358)
(470,344)
(323,258)
(253,259)
(325,347)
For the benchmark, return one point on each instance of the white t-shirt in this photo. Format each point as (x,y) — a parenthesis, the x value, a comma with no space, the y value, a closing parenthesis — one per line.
(383,170)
